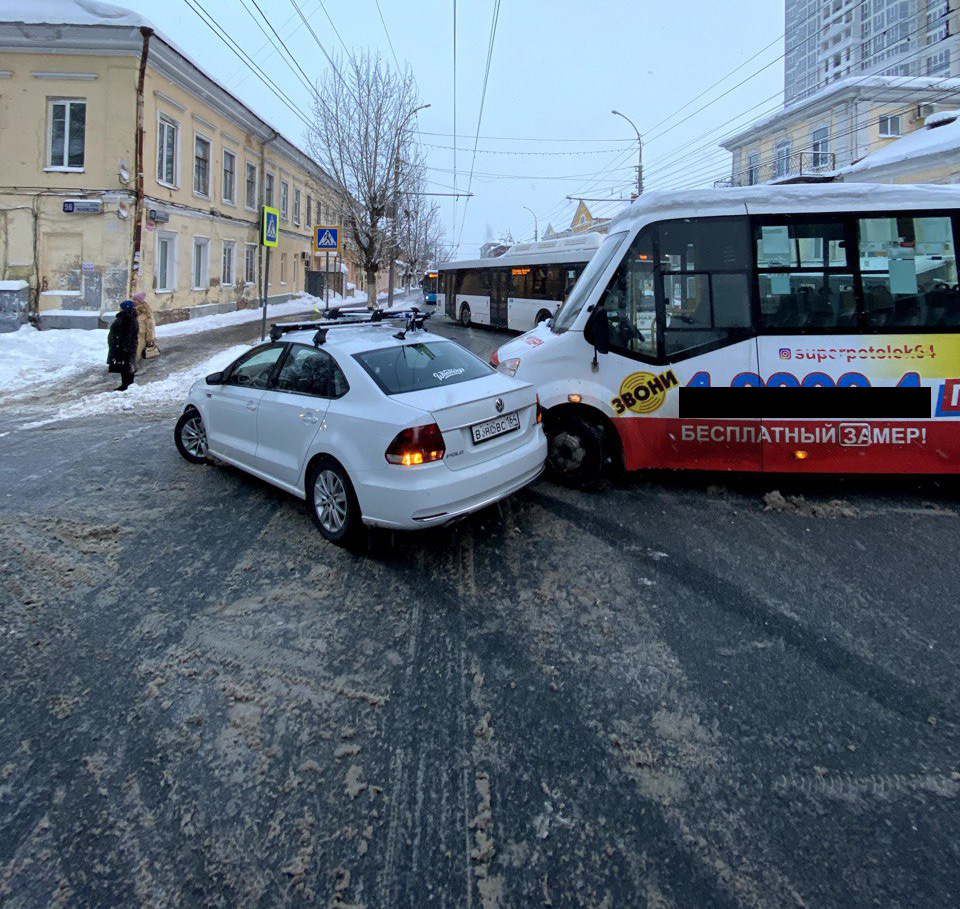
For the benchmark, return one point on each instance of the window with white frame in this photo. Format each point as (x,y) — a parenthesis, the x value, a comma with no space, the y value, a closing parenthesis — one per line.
(66,133)
(820,146)
(250,264)
(890,125)
(251,186)
(201,166)
(753,168)
(308,209)
(268,190)
(228,271)
(200,270)
(296,207)
(167,152)
(165,270)
(284,201)
(229,177)
(782,158)
(283,268)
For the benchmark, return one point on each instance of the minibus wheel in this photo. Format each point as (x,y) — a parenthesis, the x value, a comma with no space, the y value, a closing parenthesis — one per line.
(577,450)
(465,315)
(542,316)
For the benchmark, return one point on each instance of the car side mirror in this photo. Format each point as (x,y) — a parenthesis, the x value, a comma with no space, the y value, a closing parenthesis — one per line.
(597,330)
(215,378)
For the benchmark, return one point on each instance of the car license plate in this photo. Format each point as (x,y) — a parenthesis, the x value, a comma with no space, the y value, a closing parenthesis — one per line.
(483,432)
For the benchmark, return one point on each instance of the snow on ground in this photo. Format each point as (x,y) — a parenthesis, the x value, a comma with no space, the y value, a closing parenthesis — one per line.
(30,357)
(163,394)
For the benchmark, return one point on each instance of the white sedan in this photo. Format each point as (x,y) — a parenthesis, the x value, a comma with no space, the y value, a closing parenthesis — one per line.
(369,425)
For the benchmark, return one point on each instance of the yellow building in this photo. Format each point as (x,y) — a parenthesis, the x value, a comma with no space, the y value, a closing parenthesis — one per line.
(835,128)
(124,167)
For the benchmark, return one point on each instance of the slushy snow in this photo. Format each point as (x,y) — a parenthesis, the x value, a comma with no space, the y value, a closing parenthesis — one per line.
(29,357)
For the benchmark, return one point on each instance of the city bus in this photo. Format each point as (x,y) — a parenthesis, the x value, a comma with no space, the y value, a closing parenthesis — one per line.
(807,328)
(519,289)
(429,287)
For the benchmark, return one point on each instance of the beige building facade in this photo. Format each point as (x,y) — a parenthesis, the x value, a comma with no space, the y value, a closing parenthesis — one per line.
(88,105)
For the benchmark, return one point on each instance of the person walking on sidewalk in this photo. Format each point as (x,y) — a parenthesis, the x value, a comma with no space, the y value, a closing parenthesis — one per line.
(147,343)
(123,344)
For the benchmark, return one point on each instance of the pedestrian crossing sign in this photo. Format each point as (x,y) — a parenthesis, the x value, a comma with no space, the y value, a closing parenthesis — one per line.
(270,227)
(326,239)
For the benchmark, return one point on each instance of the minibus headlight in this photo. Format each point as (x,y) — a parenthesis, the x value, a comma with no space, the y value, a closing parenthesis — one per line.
(509,367)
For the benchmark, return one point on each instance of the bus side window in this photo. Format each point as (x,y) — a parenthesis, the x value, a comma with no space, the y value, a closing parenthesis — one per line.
(630,301)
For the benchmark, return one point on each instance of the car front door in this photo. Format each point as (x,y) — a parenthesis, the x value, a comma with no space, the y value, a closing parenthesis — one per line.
(232,407)
(292,412)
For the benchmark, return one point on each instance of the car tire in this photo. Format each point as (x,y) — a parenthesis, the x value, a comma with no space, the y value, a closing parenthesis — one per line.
(577,451)
(333,503)
(465,315)
(190,436)
(542,316)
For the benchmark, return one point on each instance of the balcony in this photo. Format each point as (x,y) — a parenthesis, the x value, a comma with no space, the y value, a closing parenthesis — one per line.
(784,169)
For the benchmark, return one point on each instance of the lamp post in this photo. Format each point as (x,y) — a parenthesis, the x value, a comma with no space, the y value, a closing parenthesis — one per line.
(396,205)
(536,227)
(639,150)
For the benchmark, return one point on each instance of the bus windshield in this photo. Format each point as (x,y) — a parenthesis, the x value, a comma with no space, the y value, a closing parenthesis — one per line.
(567,313)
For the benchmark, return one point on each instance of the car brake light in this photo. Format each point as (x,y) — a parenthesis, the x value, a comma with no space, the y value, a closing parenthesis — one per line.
(539,410)
(494,360)
(417,445)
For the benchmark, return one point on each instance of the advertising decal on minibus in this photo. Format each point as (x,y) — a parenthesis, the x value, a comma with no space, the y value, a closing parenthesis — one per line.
(643,392)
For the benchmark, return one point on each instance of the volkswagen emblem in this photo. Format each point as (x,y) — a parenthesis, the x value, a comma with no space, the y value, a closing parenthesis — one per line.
(499,405)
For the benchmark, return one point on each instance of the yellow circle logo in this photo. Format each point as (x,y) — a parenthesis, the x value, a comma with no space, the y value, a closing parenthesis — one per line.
(643,392)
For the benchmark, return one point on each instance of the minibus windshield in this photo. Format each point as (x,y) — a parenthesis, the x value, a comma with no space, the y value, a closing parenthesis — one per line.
(567,313)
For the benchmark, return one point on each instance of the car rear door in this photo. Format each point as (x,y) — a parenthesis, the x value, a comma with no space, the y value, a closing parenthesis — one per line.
(232,408)
(293,411)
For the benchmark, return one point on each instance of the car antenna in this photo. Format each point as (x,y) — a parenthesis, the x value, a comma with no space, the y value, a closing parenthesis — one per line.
(320,337)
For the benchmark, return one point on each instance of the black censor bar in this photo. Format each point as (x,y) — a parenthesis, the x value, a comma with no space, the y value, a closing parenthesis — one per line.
(809,403)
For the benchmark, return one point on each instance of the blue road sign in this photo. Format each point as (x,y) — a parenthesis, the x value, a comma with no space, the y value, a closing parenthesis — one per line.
(270,227)
(326,239)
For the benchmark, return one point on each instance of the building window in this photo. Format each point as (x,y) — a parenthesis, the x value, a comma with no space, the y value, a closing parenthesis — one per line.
(165,277)
(820,146)
(67,132)
(250,264)
(782,159)
(319,211)
(296,207)
(309,208)
(284,201)
(283,268)
(201,263)
(268,191)
(753,168)
(229,177)
(227,274)
(251,199)
(167,152)
(890,126)
(201,166)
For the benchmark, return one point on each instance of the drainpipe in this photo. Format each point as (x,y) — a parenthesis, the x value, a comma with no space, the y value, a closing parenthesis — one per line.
(138,164)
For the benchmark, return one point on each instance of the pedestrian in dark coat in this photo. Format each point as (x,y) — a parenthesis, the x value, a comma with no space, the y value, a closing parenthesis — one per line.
(122,343)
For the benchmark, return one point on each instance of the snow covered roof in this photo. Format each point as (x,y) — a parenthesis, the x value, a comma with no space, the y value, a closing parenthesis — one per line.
(68,12)
(767,199)
(940,136)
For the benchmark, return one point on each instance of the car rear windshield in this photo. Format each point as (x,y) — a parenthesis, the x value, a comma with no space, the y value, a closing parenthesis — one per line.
(414,367)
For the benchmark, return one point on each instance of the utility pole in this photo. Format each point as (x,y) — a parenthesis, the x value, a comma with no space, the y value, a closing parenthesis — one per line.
(536,224)
(639,150)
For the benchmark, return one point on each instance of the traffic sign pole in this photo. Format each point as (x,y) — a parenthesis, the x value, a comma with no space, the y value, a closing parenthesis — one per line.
(326,283)
(269,237)
(266,290)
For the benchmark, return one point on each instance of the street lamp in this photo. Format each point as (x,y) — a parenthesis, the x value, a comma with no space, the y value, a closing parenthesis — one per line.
(536,229)
(639,150)
(396,205)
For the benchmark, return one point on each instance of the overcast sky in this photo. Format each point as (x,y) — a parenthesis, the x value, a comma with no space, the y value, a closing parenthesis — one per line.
(558,68)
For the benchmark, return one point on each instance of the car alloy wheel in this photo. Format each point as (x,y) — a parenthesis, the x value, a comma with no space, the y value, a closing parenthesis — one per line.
(330,501)
(195,436)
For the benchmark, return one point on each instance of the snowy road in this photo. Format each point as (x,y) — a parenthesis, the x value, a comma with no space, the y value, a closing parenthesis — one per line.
(662,696)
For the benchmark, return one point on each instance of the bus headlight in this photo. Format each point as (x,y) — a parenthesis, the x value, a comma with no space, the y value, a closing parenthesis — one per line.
(509,367)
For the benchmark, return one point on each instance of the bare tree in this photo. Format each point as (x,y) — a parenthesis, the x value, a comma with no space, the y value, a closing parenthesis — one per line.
(360,133)
(420,230)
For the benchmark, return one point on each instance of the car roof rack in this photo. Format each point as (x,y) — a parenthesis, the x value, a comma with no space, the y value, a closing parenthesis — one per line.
(413,318)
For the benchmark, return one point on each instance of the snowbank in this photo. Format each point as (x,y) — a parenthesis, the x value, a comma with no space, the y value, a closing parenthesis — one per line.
(30,357)
(932,141)
(302,303)
(13,285)
(164,394)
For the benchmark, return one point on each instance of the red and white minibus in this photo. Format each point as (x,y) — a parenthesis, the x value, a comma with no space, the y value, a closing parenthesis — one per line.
(807,328)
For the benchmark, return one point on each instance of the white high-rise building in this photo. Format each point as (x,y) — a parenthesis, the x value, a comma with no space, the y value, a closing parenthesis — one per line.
(829,40)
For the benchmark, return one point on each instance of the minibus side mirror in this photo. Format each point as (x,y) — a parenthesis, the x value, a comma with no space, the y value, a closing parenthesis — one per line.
(597,330)
(215,378)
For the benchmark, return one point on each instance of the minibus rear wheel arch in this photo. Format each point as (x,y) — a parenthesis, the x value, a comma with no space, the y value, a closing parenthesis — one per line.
(608,452)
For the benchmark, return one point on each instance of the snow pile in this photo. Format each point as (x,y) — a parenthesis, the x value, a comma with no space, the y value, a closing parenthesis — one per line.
(162,395)
(935,139)
(13,285)
(301,303)
(30,357)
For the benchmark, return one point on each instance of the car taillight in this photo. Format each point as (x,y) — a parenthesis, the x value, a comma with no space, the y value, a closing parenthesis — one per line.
(539,410)
(494,360)
(418,445)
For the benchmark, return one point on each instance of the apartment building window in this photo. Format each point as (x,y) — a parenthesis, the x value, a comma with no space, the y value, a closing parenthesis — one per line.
(67,129)
(201,166)
(167,131)
(939,63)
(296,207)
(165,272)
(284,201)
(309,209)
(228,275)
(268,190)
(201,263)
(820,146)
(251,199)
(753,168)
(250,263)
(283,268)
(890,126)
(229,177)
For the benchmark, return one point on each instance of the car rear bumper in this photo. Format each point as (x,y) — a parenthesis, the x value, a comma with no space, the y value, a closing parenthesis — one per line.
(432,495)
